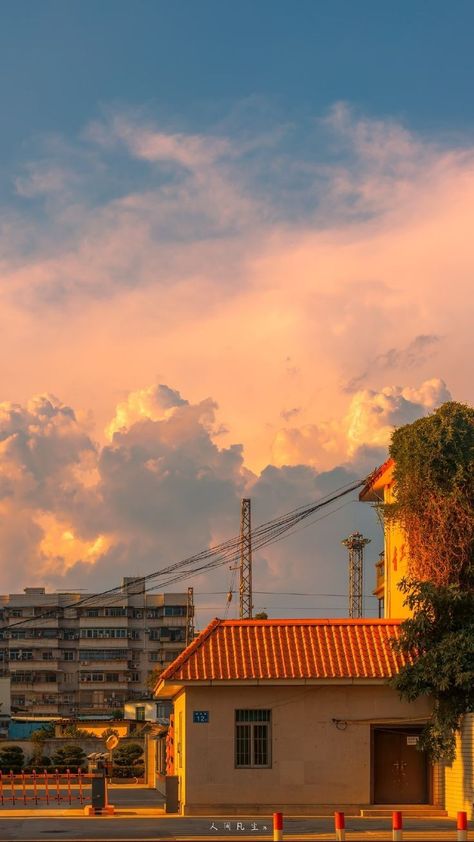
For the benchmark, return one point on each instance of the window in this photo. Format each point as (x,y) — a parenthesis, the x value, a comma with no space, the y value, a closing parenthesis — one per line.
(70,634)
(163,710)
(381,607)
(103,654)
(68,654)
(115,612)
(140,713)
(21,654)
(103,633)
(175,611)
(252,738)
(134,676)
(16,612)
(48,655)
(175,635)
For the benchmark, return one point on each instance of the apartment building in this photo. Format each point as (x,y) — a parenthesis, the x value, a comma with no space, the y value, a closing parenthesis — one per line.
(73,654)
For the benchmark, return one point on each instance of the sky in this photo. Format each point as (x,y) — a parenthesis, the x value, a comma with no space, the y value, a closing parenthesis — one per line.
(235,253)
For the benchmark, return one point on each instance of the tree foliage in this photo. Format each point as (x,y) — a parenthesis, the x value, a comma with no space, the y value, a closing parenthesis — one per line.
(434,486)
(12,758)
(439,639)
(128,754)
(69,757)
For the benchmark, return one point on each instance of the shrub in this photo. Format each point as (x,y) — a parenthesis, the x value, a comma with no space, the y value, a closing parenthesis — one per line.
(136,771)
(68,757)
(12,758)
(128,754)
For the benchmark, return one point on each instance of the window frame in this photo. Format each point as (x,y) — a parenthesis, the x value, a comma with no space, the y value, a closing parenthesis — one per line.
(253,724)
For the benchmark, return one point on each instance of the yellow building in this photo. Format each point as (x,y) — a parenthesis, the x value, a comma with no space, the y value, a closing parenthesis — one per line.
(456,784)
(393,563)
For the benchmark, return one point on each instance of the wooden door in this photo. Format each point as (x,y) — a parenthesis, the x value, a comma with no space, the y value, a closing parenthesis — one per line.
(400,770)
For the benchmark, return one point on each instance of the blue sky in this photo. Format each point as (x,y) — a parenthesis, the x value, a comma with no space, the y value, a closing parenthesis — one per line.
(61,62)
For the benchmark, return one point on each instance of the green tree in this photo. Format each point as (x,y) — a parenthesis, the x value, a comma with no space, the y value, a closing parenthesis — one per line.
(128,754)
(12,759)
(434,484)
(439,638)
(68,757)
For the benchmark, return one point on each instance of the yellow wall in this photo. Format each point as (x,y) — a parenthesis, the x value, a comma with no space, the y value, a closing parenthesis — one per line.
(459,775)
(396,564)
(319,765)
(180,746)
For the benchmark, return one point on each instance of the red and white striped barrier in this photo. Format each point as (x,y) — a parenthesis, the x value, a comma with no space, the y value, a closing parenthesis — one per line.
(277,827)
(461,825)
(397,826)
(340,826)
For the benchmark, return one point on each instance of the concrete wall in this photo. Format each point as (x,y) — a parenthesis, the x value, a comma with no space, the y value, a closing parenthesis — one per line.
(5,696)
(51,746)
(313,761)
(459,776)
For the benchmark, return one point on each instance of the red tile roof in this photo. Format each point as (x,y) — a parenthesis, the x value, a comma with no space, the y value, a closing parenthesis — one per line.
(375,476)
(288,649)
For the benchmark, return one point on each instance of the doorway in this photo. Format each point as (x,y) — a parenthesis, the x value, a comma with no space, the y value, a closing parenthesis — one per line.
(400,769)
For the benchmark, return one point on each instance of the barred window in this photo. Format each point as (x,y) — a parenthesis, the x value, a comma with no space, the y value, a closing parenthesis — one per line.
(252,738)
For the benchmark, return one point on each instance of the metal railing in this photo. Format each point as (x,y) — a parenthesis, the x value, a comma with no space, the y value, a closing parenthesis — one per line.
(48,787)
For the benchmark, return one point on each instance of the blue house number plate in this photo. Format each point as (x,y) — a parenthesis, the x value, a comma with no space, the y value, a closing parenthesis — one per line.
(200,716)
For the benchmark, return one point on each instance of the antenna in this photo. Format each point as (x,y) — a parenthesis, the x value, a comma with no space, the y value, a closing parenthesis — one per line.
(246,605)
(355,543)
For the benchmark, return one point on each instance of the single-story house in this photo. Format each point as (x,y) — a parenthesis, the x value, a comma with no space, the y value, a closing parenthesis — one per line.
(294,715)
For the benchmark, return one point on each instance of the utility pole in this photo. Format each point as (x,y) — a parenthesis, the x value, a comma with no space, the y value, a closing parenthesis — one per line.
(190,616)
(246,605)
(355,543)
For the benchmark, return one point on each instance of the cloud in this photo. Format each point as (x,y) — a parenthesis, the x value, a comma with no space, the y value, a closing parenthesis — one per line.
(415,353)
(368,423)
(272,269)
(373,416)
(161,488)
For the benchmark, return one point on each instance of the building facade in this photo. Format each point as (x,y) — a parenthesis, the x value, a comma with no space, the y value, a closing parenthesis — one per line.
(294,715)
(78,654)
(456,779)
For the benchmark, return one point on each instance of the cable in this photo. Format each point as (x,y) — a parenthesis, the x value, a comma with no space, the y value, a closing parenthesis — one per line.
(266,533)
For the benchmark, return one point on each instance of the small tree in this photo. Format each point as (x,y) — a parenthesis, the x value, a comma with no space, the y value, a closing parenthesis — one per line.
(128,754)
(12,758)
(68,757)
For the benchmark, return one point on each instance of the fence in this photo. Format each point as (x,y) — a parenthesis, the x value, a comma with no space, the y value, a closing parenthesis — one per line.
(48,787)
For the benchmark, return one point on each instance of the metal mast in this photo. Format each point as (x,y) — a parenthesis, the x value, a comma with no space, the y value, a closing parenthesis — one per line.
(190,616)
(246,605)
(355,543)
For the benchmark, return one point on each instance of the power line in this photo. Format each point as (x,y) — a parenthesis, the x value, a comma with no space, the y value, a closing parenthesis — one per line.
(229,550)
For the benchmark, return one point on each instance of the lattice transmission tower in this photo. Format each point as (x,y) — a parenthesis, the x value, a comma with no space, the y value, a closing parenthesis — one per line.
(246,601)
(190,616)
(355,543)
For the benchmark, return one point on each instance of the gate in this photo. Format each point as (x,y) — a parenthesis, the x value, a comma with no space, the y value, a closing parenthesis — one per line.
(45,787)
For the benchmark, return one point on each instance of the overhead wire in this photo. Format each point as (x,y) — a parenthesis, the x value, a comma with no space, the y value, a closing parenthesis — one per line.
(265,534)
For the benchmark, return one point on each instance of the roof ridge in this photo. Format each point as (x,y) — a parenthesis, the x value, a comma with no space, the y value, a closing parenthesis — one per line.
(315,621)
(191,648)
